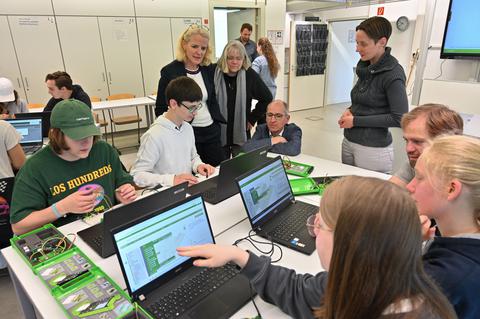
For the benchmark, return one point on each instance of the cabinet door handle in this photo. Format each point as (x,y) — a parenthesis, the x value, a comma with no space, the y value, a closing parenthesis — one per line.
(19,84)
(26,82)
(103,76)
(110,77)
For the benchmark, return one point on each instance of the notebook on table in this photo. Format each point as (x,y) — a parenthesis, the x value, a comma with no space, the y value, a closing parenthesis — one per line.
(98,237)
(168,285)
(31,132)
(272,209)
(222,186)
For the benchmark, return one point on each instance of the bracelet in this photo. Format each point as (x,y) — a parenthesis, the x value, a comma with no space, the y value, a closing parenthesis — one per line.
(55,210)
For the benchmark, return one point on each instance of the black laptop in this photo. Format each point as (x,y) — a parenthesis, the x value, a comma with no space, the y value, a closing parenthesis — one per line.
(272,209)
(168,285)
(98,236)
(31,132)
(45,116)
(222,186)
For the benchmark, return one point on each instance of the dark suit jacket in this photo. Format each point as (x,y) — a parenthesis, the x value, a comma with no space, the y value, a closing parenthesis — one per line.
(291,132)
(175,69)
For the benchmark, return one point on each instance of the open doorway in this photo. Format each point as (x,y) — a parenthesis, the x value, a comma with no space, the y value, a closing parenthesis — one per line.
(228,22)
(341,60)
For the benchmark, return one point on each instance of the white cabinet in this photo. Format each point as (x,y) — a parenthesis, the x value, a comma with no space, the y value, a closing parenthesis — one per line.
(9,66)
(36,7)
(169,8)
(156,49)
(38,52)
(83,54)
(122,57)
(93,7)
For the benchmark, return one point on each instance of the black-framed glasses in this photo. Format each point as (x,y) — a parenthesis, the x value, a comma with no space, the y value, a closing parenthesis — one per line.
(277,116)
(192,108)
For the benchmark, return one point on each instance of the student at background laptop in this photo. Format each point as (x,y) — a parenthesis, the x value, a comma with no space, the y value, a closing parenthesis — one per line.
(282,137)
(60,87)
(167,153)
(371,250)
(10,102)
(12,156)
(47,187)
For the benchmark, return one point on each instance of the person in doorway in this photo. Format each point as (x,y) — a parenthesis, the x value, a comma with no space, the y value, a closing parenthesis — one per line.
(266,64)
(379,100)
(167,154)
(355,284)
(277,133)
(236,84)
(420,126)
(193,58)
(61,87)
(250,45)
(446,188)
(74,175)
(10,102)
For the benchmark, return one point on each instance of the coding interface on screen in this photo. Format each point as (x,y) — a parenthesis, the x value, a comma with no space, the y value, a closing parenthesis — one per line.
(30,130)
(462,33)
(147,250)
(264,190)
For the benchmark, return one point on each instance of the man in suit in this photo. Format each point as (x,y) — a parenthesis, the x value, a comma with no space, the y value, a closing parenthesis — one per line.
(282,137)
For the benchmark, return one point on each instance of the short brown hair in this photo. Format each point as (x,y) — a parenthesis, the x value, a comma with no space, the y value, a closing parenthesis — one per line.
(183,89)
(376,28)
(439,119)
(57,140)
(247,26)
(61,78)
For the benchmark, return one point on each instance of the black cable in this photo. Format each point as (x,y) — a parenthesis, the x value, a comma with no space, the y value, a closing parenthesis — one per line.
(252,298)
(250,238)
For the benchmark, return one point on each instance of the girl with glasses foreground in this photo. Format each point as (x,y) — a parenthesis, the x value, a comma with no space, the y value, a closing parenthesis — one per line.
(370,249)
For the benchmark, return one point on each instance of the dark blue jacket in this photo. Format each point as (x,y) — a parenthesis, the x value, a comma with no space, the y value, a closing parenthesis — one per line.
(175,69)
(291,132)
(454,263)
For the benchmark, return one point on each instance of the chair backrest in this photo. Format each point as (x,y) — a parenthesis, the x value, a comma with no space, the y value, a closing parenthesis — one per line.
(35,105)
(120,96)
(95,99)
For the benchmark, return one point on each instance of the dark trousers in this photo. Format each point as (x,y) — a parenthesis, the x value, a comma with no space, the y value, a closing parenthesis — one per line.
(207,142)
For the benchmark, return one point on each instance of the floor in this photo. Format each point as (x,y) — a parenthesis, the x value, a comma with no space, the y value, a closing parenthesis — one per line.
(321,137)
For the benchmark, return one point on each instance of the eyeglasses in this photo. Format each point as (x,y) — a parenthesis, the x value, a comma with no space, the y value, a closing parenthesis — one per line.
(234,58)
(311,226)
(192,108)
(277,116)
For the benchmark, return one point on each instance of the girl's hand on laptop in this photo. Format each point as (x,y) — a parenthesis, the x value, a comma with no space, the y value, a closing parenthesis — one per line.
(205,170)
(215,255)
(125,193)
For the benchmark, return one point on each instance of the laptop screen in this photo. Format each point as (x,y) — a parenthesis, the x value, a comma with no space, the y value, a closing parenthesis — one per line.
(30,129)
(264,190)
(146,249)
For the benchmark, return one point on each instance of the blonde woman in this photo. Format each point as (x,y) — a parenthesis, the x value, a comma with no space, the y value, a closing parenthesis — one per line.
(446,188)
(373,269)
(192,59)
(266,64)
(236,84)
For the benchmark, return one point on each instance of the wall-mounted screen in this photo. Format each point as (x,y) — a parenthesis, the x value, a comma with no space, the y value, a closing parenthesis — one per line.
(461,37)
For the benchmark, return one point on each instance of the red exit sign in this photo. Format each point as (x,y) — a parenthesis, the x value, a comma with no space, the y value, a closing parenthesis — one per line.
(380,11)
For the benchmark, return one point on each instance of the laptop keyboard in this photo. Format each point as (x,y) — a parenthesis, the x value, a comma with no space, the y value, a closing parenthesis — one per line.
(30,149)
(181,298)
(292,225)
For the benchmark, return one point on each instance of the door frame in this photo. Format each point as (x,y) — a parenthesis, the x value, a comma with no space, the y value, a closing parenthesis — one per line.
(212,4)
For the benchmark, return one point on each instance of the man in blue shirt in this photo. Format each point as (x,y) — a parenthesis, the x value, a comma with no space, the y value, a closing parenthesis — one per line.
(283,138)
(250,46)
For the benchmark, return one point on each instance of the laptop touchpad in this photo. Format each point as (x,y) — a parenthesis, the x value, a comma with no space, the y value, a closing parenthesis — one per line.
(210,308)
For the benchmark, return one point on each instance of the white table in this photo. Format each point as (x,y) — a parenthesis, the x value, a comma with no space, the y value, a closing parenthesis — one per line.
(122,103)
(229,223)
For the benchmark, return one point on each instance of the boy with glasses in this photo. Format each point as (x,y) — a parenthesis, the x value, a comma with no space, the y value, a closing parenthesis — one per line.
(282,137)
(167,154)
